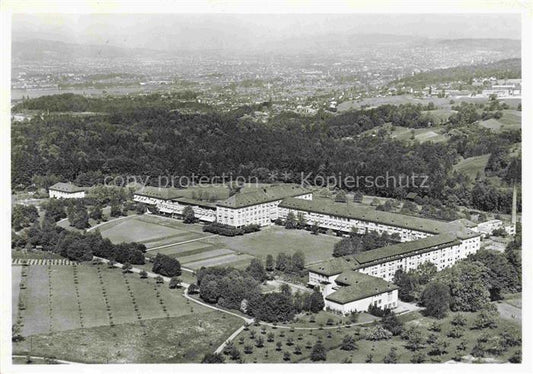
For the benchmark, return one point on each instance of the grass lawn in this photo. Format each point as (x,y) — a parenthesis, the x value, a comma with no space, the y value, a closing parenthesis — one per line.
(53,302)
(164,340)
(16,279)
(472,166)
(31,254)
(275,239)
(510,120)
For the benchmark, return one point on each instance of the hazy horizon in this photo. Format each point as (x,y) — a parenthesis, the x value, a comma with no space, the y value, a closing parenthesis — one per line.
(226,31)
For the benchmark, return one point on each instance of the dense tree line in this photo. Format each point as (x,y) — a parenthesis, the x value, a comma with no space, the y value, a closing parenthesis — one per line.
(469,285)
(75,245)
(360,243)
(239,289)
(23,216)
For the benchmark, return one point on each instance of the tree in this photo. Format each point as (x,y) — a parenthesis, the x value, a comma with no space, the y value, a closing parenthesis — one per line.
(501,275)
(126,267)
(298,261)
(116,209)
(235,354)
(278,345)
(213,358)
(140,208)
(348,343)
(456,332)
(175,282)
(256,270)
(487,318)
(290,222)
(391,357)
(23,216)
(418,358)
(269,263)
(391,322)
(458,320)
(301,221)
(78,216)
(96,212)
(378,333)
(143,274)
(315,301)
(286,356)
(188,215)
(166,265)
(259,342)
(438,347)
(415,338)
(193,289)
(467,284)
(318,352)
(283,262)
(436,299)
(358,197)
(340,197)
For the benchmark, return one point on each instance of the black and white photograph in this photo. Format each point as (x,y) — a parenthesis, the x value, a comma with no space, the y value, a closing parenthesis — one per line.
(303,184)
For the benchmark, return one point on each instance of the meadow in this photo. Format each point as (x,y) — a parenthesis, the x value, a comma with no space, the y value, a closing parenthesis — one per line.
(91,313)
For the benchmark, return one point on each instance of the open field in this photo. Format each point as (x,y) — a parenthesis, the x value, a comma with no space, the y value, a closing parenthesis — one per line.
(510,120)
(164,340)
(195,248)
(275,239)
(472,166)
(433,133)
(332,339)
(55,302)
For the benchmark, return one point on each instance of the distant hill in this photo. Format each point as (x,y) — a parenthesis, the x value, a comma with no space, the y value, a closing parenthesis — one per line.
(39,49)
(504,69)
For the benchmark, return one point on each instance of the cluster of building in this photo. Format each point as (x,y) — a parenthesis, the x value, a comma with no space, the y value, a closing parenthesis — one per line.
(348,284)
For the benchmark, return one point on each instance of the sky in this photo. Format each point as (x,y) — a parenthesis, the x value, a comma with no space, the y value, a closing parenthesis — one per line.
(172,32)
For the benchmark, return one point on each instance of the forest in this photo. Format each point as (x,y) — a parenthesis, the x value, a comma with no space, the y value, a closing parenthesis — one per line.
(155,139)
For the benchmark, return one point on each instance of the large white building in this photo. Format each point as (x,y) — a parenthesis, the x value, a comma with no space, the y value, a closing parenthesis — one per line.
(172,201)
(66,191)
(443,250)
(250,205)
(258,206)
(347,217)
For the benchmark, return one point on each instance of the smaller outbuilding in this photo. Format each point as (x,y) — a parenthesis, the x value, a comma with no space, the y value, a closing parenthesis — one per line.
(356,292)
(66,191)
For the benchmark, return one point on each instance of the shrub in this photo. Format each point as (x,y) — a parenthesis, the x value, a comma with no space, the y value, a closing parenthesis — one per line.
(221,229)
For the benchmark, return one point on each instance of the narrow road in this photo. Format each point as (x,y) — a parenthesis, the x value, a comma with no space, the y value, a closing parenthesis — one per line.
(105,223)
(231,337)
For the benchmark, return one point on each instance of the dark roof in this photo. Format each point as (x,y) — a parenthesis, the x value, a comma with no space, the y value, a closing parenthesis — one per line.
(333,266)
(160,192)
(66,187)
(263,195)
(189,201)
(358,286)
(357,212)
(384,254)
(401,249)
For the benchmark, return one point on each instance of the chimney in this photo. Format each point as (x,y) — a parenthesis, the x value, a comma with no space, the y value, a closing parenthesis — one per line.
(513,212)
